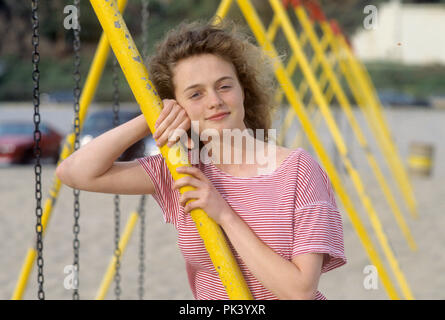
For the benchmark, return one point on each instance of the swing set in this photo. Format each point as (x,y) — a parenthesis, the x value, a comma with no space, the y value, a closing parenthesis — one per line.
(320,75)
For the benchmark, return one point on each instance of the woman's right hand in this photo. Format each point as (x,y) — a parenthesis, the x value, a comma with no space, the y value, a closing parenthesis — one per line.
(172,117)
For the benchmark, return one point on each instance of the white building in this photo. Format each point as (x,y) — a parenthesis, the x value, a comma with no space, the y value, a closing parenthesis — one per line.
(406,33)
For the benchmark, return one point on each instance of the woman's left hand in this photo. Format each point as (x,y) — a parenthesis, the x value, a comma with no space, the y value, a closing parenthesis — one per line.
(206,195)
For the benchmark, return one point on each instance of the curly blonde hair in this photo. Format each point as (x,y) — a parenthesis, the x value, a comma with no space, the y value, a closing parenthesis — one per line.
(253,67)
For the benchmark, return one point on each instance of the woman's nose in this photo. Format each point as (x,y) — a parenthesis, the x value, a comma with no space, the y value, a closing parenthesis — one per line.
(215,100)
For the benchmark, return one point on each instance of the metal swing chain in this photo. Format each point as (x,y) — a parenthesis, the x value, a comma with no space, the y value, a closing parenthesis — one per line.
(117,251)
(141,211)
(37,150)
(145,15)
(76,91)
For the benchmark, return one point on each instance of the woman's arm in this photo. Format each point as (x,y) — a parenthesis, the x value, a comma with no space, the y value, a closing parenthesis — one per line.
(93,167)
(288,280)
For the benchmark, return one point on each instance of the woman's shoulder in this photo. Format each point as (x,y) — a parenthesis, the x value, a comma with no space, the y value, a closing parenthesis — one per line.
(298,155)
(299,161)
(284,154)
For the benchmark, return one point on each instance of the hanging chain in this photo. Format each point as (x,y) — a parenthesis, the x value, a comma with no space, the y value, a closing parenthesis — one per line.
(37,150)
(76,91)
(141,212)
(117,251)
(145,15)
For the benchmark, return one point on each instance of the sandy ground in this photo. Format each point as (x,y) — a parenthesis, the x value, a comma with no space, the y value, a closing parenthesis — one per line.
(165,275)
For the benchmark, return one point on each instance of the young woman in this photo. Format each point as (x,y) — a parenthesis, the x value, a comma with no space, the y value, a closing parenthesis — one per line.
(282,224)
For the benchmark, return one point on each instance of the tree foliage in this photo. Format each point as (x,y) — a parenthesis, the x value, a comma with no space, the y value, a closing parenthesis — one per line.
(56,42)
(164,14)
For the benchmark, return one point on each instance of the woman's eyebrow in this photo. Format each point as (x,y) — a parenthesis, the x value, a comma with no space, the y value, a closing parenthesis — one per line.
(198,84)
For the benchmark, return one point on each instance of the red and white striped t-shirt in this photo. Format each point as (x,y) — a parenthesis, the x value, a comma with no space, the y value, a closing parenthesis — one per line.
(292,210)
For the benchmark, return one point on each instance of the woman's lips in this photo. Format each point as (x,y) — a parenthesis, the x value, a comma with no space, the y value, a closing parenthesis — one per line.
(219,117)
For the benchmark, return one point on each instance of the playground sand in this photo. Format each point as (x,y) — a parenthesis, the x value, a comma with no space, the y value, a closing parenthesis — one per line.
(165,276)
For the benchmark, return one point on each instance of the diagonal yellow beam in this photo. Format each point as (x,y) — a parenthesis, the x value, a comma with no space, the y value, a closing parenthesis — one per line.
(368,105)
(137,77)
(374,114)
(290,69)
(111,270)
(302,89)
(312,108)
(353,173)
(346,106)
(292,96)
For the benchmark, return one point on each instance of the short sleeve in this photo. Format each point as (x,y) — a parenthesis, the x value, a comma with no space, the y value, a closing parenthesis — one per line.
(317,222)
(165,195)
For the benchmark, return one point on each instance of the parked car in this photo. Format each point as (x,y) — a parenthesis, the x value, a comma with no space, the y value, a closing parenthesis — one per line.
(395,98)
(100,121)
(17,142)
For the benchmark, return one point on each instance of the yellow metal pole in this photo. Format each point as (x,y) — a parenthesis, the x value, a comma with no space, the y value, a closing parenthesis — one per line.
(376,118)
(310,78)
(25,271)
(377,111)
(302,91)
(109,274)
(88,92)
(290,68)
(137,77)
(312,105)
(346,106)
(365,101)
(292,96)
(353,173)
(288,118)
(223,8)
(312,110)
(304,87)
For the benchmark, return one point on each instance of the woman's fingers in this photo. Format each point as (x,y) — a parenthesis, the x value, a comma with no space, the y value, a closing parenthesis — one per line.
(165,119)
(188,195)
(174,120)
(168,104)
(179,132)
(172,117)
(186,181)
(195,178)
(194,171)
(177,118)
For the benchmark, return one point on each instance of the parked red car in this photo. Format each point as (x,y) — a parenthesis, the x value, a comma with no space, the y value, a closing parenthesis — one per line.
(17,142)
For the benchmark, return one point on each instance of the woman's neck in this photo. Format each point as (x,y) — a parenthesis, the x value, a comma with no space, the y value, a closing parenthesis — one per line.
(246,154)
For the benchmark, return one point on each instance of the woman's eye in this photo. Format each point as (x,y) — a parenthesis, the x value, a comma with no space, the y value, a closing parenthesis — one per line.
(225,87)
(194,95)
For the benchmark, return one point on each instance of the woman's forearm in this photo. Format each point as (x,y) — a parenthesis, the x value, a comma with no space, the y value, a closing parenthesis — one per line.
(280,276)
(97,156)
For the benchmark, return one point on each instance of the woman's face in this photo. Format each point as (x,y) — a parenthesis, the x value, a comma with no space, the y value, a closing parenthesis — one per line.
(207,85)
